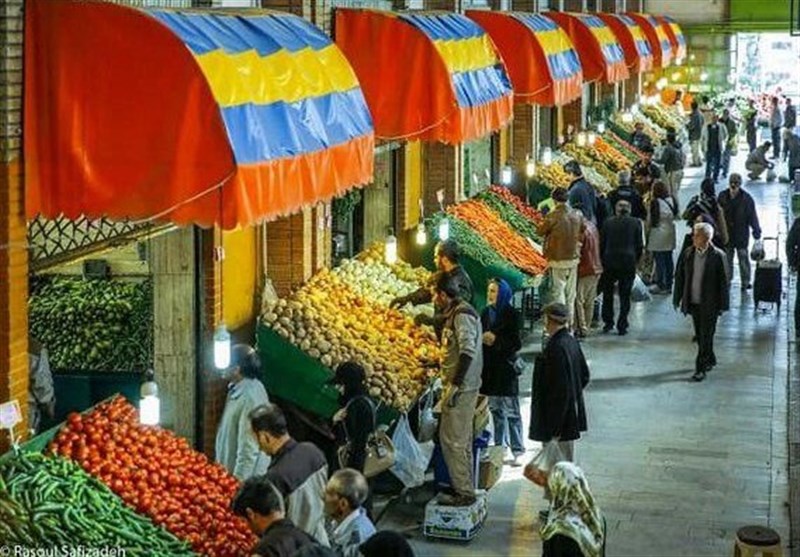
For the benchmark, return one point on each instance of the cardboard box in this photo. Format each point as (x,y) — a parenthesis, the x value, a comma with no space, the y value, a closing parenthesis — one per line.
(491,467)
(455,523)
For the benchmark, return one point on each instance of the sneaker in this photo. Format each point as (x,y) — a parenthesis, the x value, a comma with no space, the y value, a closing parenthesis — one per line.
(699,376)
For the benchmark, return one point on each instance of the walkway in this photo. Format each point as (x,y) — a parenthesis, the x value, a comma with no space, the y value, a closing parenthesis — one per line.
(676,466)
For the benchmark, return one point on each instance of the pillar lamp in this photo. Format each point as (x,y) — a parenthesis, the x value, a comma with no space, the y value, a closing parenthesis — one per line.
(149,404)
(390,248)
(506,175)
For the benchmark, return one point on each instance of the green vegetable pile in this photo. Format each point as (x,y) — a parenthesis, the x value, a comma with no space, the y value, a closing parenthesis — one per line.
(510,215)
(93,324)
(50,502)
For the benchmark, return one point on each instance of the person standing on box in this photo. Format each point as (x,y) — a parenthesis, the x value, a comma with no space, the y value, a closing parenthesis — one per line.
(462,366)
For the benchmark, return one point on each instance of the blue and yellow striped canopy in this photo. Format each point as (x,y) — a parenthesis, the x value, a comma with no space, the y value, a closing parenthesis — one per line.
(562,59)
(612,51)
(642,45)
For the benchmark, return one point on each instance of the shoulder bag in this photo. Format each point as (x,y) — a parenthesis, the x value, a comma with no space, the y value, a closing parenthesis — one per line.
(380,448)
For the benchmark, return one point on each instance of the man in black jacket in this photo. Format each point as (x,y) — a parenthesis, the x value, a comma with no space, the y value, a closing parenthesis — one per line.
(581,193)
(625,192)
(793,257)
(621,245)
(701,289)
(740,217)
(645,171)
(561,373)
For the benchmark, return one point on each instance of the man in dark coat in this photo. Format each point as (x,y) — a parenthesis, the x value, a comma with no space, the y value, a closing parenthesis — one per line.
(626,192)
(560,375)
(740,217)
(621,246)
(701,290)
(645,171)
(581,193)
(793,258)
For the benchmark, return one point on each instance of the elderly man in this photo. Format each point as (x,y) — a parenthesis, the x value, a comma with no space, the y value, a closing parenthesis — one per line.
(621,246)
(344,499)
(701,290)
(562,230)
(740,218)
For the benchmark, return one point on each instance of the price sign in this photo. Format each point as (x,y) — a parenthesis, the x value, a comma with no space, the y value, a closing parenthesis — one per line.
(440,196)
(10,414)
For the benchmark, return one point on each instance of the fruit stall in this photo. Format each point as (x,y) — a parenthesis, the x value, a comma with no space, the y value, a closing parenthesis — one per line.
(101,479)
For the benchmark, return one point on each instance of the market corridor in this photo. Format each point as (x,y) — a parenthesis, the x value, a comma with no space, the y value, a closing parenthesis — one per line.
(676,466)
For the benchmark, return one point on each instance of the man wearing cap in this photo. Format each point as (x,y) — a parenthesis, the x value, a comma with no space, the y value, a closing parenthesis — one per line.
(561,373)
(461,368)
(562,230)
(625,192)
(621,246)
(236,448)
(639,139)
(581,193)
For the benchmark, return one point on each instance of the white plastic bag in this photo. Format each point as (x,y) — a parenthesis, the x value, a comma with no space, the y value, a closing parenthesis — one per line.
(428,424)
(411,458)
(639,292)
(757,252)
(771,175)
(538,469)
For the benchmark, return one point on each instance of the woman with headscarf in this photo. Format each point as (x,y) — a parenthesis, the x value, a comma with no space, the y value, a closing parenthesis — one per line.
(356,414)
(574,526)
(501,342)
(661,238)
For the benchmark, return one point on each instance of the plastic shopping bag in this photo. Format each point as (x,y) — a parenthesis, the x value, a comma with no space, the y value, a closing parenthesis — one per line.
(538,469)
(757,252)
(639,292)
(411,458)
(428,423)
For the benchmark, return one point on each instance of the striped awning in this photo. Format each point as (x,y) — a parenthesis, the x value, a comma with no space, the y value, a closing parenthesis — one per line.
(189,117)
(638,55)
(657,37)
(540,57)
(676,37)
(432,76)
(601,54)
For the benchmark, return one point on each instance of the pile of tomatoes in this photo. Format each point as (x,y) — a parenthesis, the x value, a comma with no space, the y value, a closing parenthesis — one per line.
(159,475)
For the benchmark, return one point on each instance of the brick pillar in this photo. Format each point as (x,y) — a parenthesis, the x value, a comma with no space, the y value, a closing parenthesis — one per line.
(571,115)
(13,226)
(321,236)
(574,5)
(524,136)
(445,5)
(609,6)
(525,5)
(212,400)
(289,250)
(442,170)
(302,8)
(634,5)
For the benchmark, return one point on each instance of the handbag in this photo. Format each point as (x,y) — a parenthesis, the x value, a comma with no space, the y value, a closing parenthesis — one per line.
(380,448)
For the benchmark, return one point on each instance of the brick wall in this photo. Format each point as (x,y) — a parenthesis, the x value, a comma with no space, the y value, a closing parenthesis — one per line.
(13,231)
(443,169)
(574,5)
(289,251)
(524,134)
(525,5)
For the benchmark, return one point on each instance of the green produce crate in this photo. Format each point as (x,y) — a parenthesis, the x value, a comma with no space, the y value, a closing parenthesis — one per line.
(291,374)
(76,392)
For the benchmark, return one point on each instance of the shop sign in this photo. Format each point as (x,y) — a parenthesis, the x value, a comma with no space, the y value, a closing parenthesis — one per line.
(10,414)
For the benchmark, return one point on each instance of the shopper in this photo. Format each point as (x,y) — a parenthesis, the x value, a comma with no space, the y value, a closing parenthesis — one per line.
(41,391)
(673,161)
(751,125)
(639,138)
(499,381)
(731,143)
(695,129)
(661,238)
(757,161)
(350,526)
(236,448)
(706,109)
(793,259)
(561,373)
(298,470)
(261,505)
(741,217)
(386,544)
(461,369)
(775,123)
(713,141)
(574,527)
(561,231)
(581,193)
(621,245)
(625,192)
(706,203)
(792,144)
(356,415)
(645,171)
(589,270)
(701,290)
(446,255)
(789,124)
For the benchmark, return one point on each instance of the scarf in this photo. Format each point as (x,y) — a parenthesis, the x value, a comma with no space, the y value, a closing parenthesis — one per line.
(573,512)
(504,295)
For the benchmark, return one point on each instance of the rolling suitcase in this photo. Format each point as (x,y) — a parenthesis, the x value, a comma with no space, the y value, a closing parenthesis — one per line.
(768,285)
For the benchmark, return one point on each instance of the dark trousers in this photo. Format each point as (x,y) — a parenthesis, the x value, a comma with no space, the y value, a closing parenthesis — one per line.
(797,308)
(625,280)
(713,163)
(705,325)
(776,143)
(751,140)
(664,269)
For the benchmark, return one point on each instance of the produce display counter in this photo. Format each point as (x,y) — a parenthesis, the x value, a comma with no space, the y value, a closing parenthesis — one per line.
(76,392)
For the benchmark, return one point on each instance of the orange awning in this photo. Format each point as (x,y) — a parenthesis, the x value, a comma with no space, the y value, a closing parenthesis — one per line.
(432,76)
(656,36)
(601,54)
(197,117)
(676,37)
(638,54)
(540,57)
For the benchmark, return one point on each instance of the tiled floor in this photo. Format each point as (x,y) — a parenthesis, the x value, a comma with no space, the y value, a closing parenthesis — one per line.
(676,466)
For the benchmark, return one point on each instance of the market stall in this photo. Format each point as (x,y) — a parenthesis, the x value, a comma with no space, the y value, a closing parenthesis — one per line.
(676,38)
(637,51)
(657,37)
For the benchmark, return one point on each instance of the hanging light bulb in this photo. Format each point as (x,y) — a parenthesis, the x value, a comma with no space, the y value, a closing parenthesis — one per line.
(676,76)
(444,229)
(547,156)
(530,166)
(692,57)
(704,76)
(580,139)
(627,117)
(506,175)
(422,234)
(149,404)
(662,83)
(222,347)
(591,138)
(390,249)
(601,127)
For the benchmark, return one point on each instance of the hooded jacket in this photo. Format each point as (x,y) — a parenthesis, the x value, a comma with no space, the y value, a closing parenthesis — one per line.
(236,446)
(499,377)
